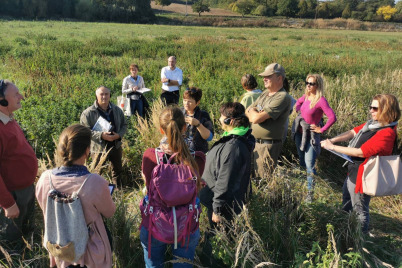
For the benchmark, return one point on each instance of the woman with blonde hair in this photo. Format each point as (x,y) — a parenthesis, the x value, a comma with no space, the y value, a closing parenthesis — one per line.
(96,200)
(377,136)
(307,126)
(172,148)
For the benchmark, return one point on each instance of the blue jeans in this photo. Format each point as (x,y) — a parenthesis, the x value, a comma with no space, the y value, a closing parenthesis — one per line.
(357,202)
(137,106)
(307,160)
(158,250)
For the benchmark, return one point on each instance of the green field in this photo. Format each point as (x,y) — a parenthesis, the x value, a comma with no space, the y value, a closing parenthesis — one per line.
(58,66)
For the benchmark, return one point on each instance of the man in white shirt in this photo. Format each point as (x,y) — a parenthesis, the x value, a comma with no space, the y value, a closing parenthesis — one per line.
(171,78)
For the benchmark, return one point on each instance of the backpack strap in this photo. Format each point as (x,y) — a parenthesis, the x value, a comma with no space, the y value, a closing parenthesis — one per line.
(50,180)
(82,185)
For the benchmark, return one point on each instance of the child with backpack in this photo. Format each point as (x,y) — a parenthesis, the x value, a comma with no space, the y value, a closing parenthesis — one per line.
(171,209)
(73,201)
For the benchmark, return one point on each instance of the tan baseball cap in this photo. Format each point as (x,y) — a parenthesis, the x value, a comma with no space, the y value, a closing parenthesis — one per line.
(274,68)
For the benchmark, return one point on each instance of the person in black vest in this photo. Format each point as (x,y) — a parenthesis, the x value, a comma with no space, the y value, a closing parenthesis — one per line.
(375,137)
(106,139)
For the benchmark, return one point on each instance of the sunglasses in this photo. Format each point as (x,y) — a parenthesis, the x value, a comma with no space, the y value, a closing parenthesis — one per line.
(310,84)
(192,90)
(374,108)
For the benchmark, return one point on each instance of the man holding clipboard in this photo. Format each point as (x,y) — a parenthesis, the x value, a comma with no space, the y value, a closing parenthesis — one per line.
(108,125)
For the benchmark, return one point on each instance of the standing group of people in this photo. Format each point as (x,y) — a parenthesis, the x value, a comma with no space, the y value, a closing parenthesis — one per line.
(250,146)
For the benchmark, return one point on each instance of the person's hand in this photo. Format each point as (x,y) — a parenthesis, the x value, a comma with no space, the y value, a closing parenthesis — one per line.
(109,136)
(315,128)
(216,218)
(165,80)
(12,212)
(192,121)
(135,88)
(327,144)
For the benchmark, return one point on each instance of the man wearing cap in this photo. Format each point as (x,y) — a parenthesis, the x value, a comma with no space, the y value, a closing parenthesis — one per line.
(268,115)
(171,78)
(18,168)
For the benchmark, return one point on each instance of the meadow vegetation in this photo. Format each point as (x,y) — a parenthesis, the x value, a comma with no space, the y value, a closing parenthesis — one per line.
(58,66)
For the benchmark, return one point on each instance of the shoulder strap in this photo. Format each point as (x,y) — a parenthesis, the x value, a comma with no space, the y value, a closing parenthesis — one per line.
(82,185)
(50,180)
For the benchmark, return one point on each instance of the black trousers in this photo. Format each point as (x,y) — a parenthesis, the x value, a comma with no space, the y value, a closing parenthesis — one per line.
(115,158)
(168,97)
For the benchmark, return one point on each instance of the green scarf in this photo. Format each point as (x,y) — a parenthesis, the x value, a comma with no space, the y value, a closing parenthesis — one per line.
(239,131)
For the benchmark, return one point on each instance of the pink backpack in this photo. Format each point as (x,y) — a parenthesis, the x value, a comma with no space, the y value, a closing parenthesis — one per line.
(171,202)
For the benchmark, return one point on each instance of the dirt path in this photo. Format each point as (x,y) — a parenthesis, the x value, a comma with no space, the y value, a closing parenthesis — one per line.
(181,9)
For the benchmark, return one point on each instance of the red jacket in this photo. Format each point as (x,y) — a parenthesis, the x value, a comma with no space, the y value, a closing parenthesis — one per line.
(381,144)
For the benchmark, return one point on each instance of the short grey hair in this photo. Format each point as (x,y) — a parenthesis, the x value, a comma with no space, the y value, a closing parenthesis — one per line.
(101,87)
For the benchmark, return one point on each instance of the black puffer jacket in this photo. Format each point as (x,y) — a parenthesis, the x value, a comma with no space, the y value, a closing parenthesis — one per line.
(227,171)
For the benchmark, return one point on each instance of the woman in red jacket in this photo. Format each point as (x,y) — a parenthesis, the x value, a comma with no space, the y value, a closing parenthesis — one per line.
(375,137)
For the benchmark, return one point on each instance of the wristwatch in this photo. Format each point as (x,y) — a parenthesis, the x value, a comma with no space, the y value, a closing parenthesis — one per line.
(168,80)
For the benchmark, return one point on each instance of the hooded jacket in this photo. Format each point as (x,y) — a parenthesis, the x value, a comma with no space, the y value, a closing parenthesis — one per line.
(227,171)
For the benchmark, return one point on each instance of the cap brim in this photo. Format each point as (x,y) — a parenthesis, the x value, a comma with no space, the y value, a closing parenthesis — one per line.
(265,74)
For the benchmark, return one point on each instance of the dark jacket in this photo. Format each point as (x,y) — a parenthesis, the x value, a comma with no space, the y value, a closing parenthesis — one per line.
(193,138)
(227,172)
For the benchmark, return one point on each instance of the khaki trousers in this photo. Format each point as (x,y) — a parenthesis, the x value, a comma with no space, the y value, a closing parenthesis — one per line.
(265,158)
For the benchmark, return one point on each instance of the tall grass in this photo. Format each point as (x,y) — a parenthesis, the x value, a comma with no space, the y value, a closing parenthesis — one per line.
(59,65)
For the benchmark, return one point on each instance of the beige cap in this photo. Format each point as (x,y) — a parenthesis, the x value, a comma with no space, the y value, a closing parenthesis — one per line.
(274,68)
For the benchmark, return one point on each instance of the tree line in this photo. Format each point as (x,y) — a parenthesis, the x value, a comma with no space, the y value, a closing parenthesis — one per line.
(140,10)
(365,10)
(87,10)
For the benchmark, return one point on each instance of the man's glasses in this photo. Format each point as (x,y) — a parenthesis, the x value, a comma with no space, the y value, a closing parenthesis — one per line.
(192,90)
(310,84)
(374,108)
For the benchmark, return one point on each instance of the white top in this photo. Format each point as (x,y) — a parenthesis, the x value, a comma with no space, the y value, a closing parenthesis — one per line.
(129,83)
(175,74)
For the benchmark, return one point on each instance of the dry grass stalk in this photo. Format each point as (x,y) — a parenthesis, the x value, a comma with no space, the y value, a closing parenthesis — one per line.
(6,255)
(149,128)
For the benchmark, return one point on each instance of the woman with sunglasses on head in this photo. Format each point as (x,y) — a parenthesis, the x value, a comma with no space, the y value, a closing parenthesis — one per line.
(228,166)
(199,129)
(307,126)
(375,137)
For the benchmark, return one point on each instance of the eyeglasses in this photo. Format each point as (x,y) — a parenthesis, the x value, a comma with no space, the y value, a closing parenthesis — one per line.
(310,84)
(374,108)
(192,90)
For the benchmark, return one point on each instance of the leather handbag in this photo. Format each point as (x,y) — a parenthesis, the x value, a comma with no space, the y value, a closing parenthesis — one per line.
(382,176)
